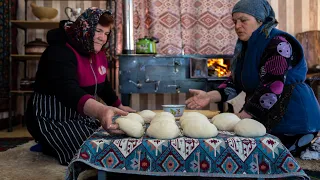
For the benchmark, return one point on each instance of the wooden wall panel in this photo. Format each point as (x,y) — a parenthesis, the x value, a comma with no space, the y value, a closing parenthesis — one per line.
(297,16)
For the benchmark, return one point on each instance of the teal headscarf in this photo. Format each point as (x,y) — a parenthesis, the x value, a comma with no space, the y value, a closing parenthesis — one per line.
(262,11)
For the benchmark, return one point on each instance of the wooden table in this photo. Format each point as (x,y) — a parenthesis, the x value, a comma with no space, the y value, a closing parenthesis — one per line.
(207,113)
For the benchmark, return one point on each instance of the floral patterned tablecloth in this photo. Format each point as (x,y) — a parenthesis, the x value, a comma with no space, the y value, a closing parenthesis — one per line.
(225,155)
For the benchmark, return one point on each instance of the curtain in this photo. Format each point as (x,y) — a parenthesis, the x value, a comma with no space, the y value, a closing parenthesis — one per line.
(195,26)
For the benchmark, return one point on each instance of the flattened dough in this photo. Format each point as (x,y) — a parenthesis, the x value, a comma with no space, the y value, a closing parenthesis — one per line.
(250,128)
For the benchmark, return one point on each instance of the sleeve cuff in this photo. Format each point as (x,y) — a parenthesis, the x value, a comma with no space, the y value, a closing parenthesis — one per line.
(117,103)
(254,110)
(81,103)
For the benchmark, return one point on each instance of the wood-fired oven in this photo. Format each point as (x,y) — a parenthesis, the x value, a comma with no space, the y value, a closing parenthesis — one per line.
(170,73)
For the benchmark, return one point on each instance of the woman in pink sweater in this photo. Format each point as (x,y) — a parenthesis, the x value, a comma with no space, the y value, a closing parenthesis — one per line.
(63,110)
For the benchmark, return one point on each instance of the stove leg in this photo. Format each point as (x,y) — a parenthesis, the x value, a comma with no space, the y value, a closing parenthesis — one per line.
(220,107)
(125,99)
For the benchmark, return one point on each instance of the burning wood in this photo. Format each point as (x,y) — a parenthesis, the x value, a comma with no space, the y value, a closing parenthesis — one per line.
(217,68)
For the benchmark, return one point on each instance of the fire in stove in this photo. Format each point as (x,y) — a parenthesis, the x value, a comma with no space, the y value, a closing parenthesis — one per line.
(218,68)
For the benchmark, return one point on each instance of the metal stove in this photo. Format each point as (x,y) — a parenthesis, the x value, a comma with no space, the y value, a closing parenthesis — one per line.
(140,73)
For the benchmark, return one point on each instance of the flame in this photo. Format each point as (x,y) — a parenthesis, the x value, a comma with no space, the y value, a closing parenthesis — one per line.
(218,65)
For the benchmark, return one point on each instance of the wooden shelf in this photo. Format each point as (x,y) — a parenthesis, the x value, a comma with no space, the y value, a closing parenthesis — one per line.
(21,92)
(35,24)
(27,57)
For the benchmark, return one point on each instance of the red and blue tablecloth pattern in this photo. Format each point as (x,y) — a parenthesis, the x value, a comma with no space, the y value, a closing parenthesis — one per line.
(225,155)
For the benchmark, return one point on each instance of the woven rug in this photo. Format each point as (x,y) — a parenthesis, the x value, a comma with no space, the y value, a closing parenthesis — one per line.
(21,163)
(7,143)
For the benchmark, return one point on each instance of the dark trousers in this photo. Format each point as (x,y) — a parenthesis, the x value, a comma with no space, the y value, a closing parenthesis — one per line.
(294,142)
(34,130)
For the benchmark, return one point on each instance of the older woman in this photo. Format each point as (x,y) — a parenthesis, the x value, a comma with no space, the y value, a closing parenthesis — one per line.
(63,111)
(269,66)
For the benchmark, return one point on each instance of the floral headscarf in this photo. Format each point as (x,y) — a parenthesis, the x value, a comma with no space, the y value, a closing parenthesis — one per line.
(81,32)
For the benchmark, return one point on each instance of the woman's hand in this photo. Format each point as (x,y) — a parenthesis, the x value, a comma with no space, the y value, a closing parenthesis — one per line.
(243,115)
(126,108)
(106,119)
(199,100)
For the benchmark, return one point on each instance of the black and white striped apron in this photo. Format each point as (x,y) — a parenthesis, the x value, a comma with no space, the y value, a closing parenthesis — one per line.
(63,128)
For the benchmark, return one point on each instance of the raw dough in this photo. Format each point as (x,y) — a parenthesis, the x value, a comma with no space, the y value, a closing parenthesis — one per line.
(191,114)
(147,115)
(250,128)
(163,130)
(135,117)
(225,121)
(195,118)
(163,118)
(130,127)
(197,129)
(165,114)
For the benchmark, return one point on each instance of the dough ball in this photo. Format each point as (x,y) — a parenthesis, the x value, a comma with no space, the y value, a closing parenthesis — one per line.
(196,129)
(250,128)
(130,127)
(191,114)
(165,114)
(163,130)
(135,117)
(163,118)
(147,115)
(225,121)
(195,118)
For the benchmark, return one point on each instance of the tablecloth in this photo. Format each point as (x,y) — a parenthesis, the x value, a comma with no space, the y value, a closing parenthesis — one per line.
(225,155)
